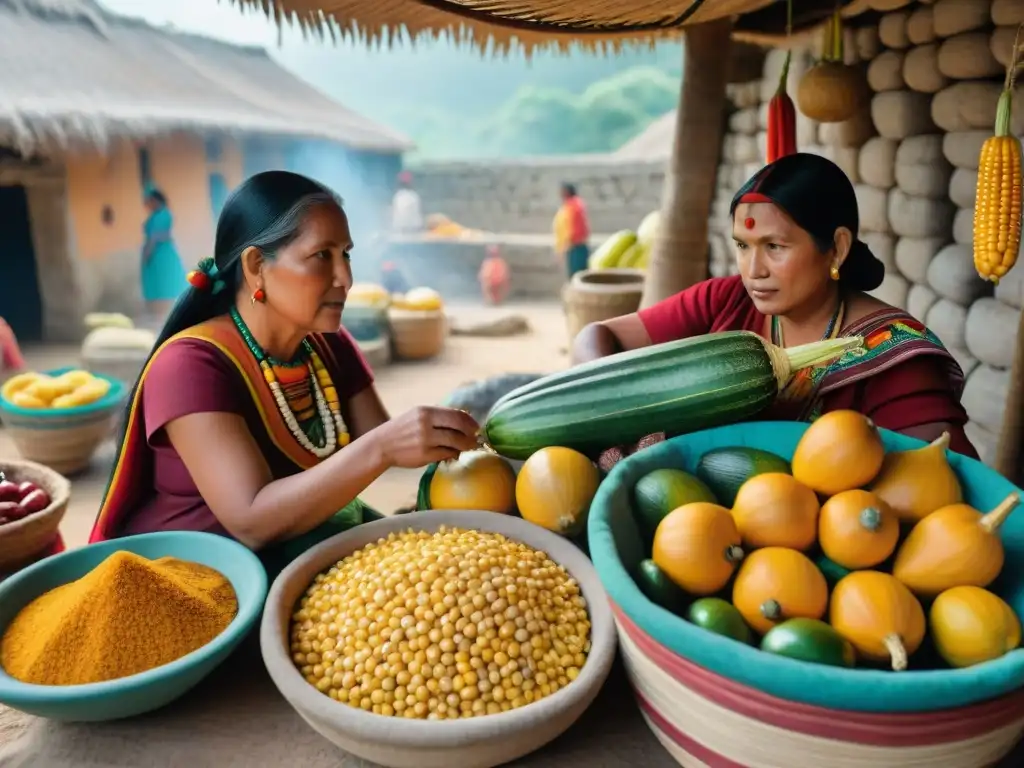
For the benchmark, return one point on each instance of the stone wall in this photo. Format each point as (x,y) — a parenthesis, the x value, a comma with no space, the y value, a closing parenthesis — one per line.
(936,70)
(521,196)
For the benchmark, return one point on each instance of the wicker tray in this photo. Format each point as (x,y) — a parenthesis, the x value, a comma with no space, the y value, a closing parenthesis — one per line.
(22,540)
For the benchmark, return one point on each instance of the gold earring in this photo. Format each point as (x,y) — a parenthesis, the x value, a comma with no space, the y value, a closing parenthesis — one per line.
(834,272)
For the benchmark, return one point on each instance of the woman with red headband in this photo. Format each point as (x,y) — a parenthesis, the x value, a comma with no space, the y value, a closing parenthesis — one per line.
(255,417)
(804,276)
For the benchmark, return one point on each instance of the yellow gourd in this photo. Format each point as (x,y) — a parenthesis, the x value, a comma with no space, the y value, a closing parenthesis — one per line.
(970,625)
(422,300)
(776,510)
(88,393)
(475,480)
(698,547)
(832,91)
(840,451)
(916,483)
(775,584)
(76,378)
(956,546)
(25,400)
(18,383)
(368,295)
(554,489)
(857,529)
(48,389)
(879,616)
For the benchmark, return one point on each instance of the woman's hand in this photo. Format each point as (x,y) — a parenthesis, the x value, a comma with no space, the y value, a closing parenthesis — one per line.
(425,435)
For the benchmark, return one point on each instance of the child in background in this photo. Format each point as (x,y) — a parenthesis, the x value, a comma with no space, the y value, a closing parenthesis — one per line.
(494,276)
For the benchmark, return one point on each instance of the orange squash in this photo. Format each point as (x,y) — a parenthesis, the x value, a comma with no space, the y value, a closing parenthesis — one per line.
(554,489)
(879,616)
(840,451)
(970,625)
(776,510)
(956,546)
(698,546)
(918,482)
(857,529)
(475,480)
(775,584)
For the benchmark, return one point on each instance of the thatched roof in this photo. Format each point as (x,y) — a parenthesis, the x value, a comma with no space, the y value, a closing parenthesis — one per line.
(503,24)
(73,73)
(652,143)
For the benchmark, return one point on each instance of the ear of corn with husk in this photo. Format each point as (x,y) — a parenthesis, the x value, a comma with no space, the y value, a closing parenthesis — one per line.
(997,209)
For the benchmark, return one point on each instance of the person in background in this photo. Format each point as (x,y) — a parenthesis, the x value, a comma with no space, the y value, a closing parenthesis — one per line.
(406,208)
(572,231)
(494,276)
(163,276)
(803,276)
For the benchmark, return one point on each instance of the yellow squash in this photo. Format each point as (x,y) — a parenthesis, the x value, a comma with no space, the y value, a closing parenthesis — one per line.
(879,616)
(698,546)
(475,480)
(857,529)
(776,510)
(840,451)
(970,625)
(997,206)
(775,584)
(956,546)
(554,489)
(918,482)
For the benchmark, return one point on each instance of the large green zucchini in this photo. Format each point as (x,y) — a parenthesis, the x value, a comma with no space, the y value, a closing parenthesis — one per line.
(679,387)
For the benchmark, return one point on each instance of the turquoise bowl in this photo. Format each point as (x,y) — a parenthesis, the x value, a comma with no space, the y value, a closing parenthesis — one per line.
(56,418)
(146,691)
(616,549)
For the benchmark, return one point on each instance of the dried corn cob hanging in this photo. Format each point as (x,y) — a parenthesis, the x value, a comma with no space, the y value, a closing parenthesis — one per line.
(781,112)
(997,208)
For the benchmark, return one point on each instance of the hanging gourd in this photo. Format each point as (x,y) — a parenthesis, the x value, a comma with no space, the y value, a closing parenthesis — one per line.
(832,91)
(997,207)
(956,546)
(781,112)
(915,483)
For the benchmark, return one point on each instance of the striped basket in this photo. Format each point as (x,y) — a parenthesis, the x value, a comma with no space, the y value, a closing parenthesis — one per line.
(714,702)
(63,439)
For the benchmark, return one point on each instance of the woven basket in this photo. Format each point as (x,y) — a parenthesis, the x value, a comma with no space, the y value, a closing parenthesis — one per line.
(22,540)
(713,701)
(417,335)
(63,439)
(595,295)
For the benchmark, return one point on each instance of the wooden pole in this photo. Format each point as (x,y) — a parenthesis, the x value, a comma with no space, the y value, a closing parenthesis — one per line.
(1009,459)
(680,255)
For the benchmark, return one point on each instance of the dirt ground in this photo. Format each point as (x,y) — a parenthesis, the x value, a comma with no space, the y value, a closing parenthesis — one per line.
(401,385)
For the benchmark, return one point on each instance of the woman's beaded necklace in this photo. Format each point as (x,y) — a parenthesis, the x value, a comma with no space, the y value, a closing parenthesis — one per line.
(798,386)
(304,393)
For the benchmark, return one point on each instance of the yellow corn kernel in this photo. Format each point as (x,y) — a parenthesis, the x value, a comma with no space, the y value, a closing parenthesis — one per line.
(997,209)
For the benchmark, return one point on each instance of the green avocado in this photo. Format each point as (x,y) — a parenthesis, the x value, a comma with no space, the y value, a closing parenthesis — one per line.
(659,588)
(724,470)
(659,492)
(809,640)
(719,616)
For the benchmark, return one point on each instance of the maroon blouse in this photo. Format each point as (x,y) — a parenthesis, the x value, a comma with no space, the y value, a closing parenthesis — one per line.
(193,376)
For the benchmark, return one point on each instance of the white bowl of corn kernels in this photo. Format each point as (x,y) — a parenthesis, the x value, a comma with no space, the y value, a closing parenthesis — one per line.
(443,639)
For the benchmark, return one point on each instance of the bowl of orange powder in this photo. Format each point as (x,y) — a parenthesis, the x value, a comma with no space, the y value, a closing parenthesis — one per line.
(123,627)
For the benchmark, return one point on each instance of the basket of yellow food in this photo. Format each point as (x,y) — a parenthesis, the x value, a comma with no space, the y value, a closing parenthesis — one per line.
(823,595)
(418,323)
(33,500)
(448,638)
(60,417)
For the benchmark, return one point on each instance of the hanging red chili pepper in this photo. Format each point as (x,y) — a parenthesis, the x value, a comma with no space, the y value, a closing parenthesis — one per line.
(781,112)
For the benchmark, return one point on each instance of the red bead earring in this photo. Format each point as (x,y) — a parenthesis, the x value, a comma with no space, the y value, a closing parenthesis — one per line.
(258,295)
